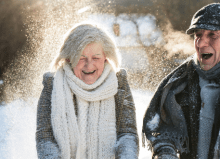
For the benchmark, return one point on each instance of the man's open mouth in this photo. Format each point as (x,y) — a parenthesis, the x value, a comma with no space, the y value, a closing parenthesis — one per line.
(206,55)
(88,72)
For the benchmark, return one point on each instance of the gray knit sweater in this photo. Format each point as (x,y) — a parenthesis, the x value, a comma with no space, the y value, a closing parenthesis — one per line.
(127,145)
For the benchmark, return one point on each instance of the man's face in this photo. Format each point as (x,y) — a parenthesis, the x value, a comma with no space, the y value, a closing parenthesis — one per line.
(207,45)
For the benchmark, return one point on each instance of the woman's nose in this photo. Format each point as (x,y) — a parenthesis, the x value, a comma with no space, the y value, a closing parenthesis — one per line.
(202,42)
(89,64)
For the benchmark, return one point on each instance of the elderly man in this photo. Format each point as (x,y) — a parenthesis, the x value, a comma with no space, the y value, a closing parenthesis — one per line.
(183,118)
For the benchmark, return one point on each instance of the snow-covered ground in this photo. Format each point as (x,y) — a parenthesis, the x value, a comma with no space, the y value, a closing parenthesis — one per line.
(17,130)
(18,125)
(141,99)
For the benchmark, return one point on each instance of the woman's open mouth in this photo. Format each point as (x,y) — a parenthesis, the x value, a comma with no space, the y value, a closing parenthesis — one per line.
(88,72)
(206,55)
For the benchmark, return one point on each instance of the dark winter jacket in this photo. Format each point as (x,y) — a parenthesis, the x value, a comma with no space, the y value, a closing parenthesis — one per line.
(127,137)
(171,122)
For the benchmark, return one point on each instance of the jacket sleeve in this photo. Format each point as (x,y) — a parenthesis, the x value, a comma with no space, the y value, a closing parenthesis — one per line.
(157,124)
(47,147)
(127,146)
(160,142)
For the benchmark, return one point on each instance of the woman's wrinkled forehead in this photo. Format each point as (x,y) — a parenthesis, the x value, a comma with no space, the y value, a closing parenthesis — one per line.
(94,48)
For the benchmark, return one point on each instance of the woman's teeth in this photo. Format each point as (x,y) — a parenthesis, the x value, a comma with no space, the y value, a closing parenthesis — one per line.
(88,72)
(206,55)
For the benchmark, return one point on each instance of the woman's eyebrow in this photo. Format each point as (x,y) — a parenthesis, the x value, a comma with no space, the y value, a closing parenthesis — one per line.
(96,54)
(92,55)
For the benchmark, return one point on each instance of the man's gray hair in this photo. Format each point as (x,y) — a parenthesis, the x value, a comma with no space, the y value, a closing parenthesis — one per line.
(196,30)
(76,40)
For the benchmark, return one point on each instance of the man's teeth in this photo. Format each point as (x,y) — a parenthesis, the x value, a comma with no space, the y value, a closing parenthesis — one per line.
(206,55)
(88,72)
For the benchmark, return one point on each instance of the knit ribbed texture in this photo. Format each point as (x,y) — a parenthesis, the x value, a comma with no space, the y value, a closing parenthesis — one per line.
(91,134)
(127,146)
(209,94)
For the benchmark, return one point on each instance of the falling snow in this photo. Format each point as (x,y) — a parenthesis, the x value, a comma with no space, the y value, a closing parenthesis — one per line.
(129,25)
(46,30)
(153,123)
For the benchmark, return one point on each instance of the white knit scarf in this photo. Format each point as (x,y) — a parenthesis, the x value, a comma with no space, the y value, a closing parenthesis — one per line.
(91,134)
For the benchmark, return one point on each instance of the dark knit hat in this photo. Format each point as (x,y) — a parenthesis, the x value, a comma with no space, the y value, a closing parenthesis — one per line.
(207,18)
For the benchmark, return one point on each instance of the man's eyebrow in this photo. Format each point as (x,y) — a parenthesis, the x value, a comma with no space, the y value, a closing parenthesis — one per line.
(216,32)
(84,55)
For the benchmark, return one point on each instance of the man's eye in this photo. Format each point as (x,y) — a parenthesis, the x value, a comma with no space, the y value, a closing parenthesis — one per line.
(213,36)
(95,58)
(198,35)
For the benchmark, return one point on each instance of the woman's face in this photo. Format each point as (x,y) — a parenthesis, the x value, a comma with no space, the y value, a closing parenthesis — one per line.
(91,63)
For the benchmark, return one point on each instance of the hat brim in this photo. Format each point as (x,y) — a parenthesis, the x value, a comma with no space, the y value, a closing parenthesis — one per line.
(202,26)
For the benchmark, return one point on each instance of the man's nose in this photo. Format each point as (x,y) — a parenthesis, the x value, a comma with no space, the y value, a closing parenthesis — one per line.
(203,41)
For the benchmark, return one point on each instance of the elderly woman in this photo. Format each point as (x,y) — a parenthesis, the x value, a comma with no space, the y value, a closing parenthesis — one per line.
(86,109)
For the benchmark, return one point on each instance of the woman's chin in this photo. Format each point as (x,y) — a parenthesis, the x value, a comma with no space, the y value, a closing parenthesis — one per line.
(89,81)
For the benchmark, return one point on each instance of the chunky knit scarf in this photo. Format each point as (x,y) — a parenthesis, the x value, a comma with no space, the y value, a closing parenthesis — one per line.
(92,133)
(209,96)
(210,88)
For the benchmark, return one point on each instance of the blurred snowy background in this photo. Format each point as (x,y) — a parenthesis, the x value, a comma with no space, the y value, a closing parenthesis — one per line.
(149,35)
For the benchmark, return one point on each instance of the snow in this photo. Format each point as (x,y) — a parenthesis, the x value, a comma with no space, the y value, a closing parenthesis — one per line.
(131,46)
(83,9)
(17,130)
(153,124)
(141,100)
(128,26)
(126,142)
(18,126)
(18,119)
(152,34)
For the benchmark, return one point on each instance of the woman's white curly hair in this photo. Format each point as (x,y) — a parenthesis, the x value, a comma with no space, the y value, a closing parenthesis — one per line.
(76,40)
